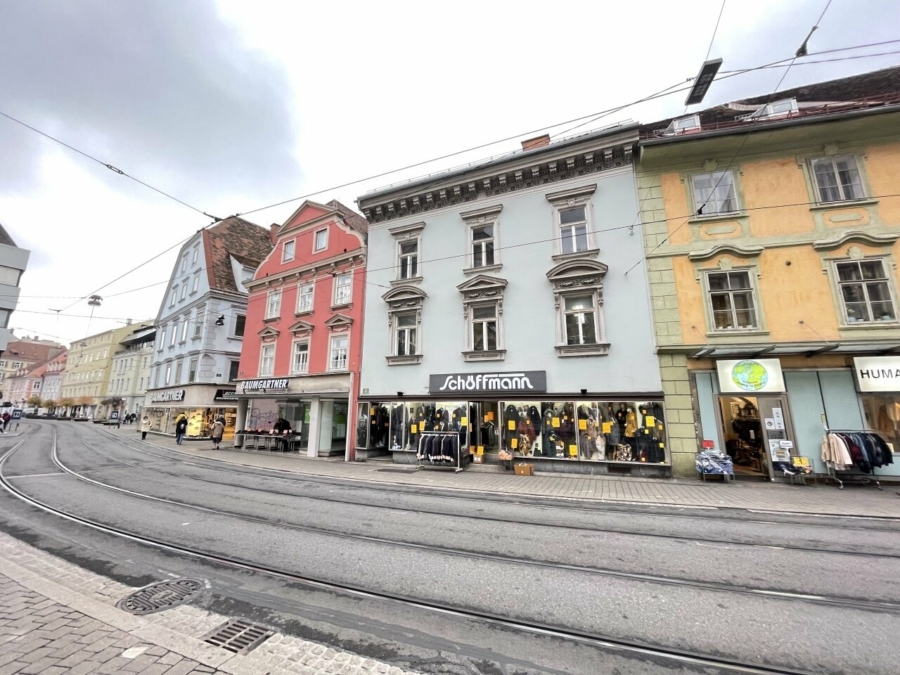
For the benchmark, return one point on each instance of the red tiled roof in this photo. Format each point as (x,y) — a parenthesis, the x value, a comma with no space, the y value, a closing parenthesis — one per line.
(233,237)
(874,89)
(32,352)
(351,217)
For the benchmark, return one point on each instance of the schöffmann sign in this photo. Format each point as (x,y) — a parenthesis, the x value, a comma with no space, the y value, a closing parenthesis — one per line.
(524,382)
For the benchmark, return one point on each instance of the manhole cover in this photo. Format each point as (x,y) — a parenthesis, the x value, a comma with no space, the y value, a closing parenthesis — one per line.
(239,636)
(160,596)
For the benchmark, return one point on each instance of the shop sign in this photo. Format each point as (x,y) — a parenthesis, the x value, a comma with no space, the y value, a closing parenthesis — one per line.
(173,395)
(266,385)
(522,382)
(225,395)
(877,373)
(750,376)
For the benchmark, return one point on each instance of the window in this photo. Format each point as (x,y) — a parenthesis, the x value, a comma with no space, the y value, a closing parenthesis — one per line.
(731,297)
(240,323)
(184,289)
(409,259)
(837,179)
(9,276)
(196,283)
(174,296)
(682,125)
(581,322)
(184,263)
(233,370)
(342,283)
(865,291)
(192,371)
(184,328)
(287,253)
(267,360)
(273,306)
(573,229)
(406,335)
(337,360)
(178,368)
(168,375)
(196,254)
(484,328)
(714,193)
(174,335)
(305,298)
(483,246)
(300,359)
(321,241)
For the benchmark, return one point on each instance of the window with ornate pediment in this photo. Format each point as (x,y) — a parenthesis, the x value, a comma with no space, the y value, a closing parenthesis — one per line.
(483,313)
(483,233)
(405,324)
(408,256)
(578,298)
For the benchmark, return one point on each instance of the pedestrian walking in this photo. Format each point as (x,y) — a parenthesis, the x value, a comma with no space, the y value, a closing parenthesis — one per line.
(145,427)
(6,419)
(218,428)
(180,429)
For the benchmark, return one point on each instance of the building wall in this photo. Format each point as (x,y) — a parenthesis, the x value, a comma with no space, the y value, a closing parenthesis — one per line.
(130,376)
(783,238)
(14,258)
(529,316)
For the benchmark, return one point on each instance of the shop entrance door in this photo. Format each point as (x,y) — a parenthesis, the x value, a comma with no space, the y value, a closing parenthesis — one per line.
(778,432)
(757,432)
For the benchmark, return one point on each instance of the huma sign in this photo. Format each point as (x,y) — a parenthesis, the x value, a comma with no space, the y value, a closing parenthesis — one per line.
(522,382)
(750,376)
(266,385)
(167,396)
(877,373)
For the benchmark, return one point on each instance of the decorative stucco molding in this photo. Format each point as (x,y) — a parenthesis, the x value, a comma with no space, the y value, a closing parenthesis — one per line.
(733,249)
(832,243)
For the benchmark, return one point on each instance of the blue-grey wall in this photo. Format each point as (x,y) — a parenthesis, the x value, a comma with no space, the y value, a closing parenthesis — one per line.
(528,309)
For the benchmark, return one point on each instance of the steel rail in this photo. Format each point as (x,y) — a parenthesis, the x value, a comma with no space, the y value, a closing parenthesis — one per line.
(683,656)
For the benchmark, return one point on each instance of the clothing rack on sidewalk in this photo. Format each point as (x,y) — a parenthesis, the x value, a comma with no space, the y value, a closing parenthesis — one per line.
(861,477)
(441,450)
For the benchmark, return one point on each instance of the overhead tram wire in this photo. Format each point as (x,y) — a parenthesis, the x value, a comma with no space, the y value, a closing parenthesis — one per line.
(386,173)
(800,52)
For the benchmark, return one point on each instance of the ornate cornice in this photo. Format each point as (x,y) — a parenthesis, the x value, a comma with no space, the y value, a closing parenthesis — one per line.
(733,249)
(541,172)
(857,236)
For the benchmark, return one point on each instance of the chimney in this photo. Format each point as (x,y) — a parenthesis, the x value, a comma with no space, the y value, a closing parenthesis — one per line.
(273,232)
(537,142)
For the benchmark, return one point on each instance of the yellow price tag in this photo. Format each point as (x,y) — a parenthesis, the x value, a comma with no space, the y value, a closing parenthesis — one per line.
(662,445)
(607,427)
(490,416)
(480,450)
(372,412)
(464,420)
(486,419)
(582,425)
(514,443)
(511,425)
(414,429)
(573,450)
(555,423)
(649,420)
(646,431)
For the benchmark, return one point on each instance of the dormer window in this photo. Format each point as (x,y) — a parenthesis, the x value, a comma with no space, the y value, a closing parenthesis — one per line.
(783,108)
(682,125)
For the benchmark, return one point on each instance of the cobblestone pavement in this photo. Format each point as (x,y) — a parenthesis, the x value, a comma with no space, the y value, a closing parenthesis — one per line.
(814,498)
(58,618)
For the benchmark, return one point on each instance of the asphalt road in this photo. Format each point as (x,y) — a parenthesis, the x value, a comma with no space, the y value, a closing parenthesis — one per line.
(677,580)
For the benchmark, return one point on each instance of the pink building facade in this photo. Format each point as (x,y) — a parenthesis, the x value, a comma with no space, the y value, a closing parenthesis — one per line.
(300,358)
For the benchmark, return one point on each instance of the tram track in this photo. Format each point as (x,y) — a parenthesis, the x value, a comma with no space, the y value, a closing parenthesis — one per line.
(483,517)
(668,655)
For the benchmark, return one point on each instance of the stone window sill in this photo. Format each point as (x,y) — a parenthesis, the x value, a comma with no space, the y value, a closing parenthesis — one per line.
(825,206)
(589,253)
(343,305)
(870,325)
(738,332)
(716,217)
(305,312)
(271,319)
(411,360)
(599,349)
(404,282)
(486,268)
(487,355)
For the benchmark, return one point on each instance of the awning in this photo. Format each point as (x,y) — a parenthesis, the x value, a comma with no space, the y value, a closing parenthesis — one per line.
(808,349)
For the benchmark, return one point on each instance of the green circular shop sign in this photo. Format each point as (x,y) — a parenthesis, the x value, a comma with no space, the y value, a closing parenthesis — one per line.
(750,375)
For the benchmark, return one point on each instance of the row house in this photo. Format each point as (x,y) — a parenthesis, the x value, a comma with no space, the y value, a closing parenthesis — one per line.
(301,355)
(201,326)
(772,234)
(130,375)
(25,352)
(42,380)
(500,312)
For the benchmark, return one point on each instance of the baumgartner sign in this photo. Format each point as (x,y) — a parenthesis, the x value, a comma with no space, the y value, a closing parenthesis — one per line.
(167,396)
(523,382)
(266,385)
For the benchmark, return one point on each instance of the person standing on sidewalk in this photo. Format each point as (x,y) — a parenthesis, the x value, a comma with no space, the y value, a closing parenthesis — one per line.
(180,429)
(218,428)
(145,427)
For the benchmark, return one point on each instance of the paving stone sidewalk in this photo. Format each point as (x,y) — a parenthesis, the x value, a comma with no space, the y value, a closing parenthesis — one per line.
(56,617)
(824,498)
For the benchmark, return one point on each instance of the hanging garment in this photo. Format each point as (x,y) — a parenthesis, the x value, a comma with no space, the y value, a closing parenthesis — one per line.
(600,444)
(630,424)
(586,446)
(623,453)
(535,416)
(857,454)
(886,454)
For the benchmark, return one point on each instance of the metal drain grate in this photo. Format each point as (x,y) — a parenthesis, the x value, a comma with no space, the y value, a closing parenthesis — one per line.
(160,596)
(239,636)
(413,470)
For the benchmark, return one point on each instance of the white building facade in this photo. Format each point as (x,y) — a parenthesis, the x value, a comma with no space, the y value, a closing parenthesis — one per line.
(200,328)
(130,372)
(13,261)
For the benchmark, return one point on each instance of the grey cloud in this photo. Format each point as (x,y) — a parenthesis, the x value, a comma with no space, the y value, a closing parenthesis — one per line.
(164,89)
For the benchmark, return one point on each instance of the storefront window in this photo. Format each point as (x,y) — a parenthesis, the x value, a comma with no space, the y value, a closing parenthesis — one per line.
(362,426)
(883,416)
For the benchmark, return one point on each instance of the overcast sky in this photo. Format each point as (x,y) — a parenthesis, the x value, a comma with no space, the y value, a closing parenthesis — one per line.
(234,105)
